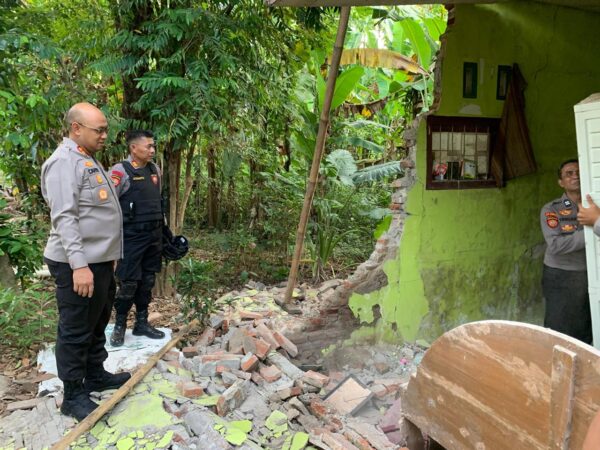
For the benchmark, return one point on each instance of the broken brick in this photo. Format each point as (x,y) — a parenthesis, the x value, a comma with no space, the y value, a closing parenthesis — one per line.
(232,398)
(375,437)
(382,367)
(318,408)
(270,373)
(391,420)
(249,362)
(190,352)
(286,344)
(379,390)
(287,392)
(315,379)
(235,344)
(337,442)
(171,355)
(219,357)
(257,379)
(228,378)
(357,440)
(267,335)
(250,315)
(190,389)
(206,338)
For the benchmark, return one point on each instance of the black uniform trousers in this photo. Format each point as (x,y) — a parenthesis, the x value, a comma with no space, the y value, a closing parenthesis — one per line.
(81,320)
(142,259)
(567,303)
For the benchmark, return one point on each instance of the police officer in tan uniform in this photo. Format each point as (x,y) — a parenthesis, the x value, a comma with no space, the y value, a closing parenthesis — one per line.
(85,242)
(564,280)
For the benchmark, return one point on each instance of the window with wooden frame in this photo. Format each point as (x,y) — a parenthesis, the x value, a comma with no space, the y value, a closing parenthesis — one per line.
(459,152)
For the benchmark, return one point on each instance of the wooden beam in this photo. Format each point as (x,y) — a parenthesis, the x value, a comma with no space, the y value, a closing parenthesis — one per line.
(319,147)
(297,3)
(88,423)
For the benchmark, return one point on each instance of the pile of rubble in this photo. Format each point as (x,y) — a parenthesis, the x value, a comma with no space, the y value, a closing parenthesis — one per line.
(246,382)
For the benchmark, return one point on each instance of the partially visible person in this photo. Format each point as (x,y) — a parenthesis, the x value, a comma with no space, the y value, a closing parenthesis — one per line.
(592,438)
(84,243)
(564,278)
(137,181)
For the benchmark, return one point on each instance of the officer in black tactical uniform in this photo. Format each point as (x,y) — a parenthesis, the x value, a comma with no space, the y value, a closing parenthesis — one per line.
(138,184)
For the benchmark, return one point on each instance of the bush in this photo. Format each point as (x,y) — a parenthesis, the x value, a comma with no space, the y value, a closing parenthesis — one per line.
(27,318)
(193,282)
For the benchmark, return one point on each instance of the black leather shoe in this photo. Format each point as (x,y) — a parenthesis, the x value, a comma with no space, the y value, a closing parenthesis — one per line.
(102,380)
(76,402)
(143,328)
(118,335)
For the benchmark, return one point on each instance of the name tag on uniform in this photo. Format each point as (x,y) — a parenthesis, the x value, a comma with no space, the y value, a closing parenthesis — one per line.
(138,178)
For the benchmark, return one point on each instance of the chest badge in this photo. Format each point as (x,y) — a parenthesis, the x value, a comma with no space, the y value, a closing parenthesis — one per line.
(568,227)
(89,164)
(154,178)
(102,194)
(552,222)
(99,179)
(565,212)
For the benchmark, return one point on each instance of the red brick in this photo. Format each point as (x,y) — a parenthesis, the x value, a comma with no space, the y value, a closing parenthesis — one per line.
(221,369)
(391,419)
(190,352)
(219,357)
(270,373)
(267,335)
(249,362)
(357,440)
(171,355)
(262,348)
(286,344)
(315,379)
(206,338)
(190,389)
(337,441)
(250,315)
(318,409)
(257,379)
(225,325)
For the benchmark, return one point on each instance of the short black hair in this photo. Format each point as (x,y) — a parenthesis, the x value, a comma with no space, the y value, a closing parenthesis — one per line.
(133,135)
(568,161)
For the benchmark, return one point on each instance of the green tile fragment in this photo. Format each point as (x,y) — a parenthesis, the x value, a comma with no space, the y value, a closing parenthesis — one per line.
(125,443)
(277,423)
(207,400)
(165,440)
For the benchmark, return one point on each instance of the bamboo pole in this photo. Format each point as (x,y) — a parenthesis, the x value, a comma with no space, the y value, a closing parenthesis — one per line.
(319,147)
(88,423)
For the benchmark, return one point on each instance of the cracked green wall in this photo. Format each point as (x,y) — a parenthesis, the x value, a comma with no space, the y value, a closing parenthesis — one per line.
(469,255)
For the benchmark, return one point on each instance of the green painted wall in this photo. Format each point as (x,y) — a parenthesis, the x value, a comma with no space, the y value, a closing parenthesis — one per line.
(477,254)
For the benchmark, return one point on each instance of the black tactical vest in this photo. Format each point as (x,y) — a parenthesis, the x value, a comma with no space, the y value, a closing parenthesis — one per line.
(142,201)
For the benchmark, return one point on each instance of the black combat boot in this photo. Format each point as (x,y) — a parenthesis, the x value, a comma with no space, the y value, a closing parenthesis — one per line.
(98,380)
(118,335)
(143,328)
(76,402)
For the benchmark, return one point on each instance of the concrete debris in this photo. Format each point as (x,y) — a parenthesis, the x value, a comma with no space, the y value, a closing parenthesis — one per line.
(239,385)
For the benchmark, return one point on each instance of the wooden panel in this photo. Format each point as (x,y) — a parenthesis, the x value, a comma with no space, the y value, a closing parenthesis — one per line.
(488,385)
(561,397)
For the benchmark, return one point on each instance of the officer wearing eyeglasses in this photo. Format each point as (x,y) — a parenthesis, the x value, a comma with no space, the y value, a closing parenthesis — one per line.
(85,240)
(137,181)
(564,279)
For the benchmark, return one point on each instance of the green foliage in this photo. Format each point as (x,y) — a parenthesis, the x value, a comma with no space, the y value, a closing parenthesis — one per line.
(194,283)
(23,246)
(27,319)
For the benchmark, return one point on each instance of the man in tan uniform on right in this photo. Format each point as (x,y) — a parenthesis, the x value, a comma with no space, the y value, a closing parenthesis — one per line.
(564,279)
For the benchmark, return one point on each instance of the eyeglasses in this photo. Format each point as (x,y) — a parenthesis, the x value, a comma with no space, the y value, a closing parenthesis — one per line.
(99,131)
(571,173)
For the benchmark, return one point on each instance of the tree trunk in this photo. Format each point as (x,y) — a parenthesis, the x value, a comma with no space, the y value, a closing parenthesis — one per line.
(189,184)
(212,200)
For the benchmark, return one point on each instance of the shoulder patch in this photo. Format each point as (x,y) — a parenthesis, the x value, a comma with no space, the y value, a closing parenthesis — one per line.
(552,222)
(551,214)
(116,173)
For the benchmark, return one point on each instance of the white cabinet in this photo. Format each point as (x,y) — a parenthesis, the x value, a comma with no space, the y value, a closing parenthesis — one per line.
(587,122)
